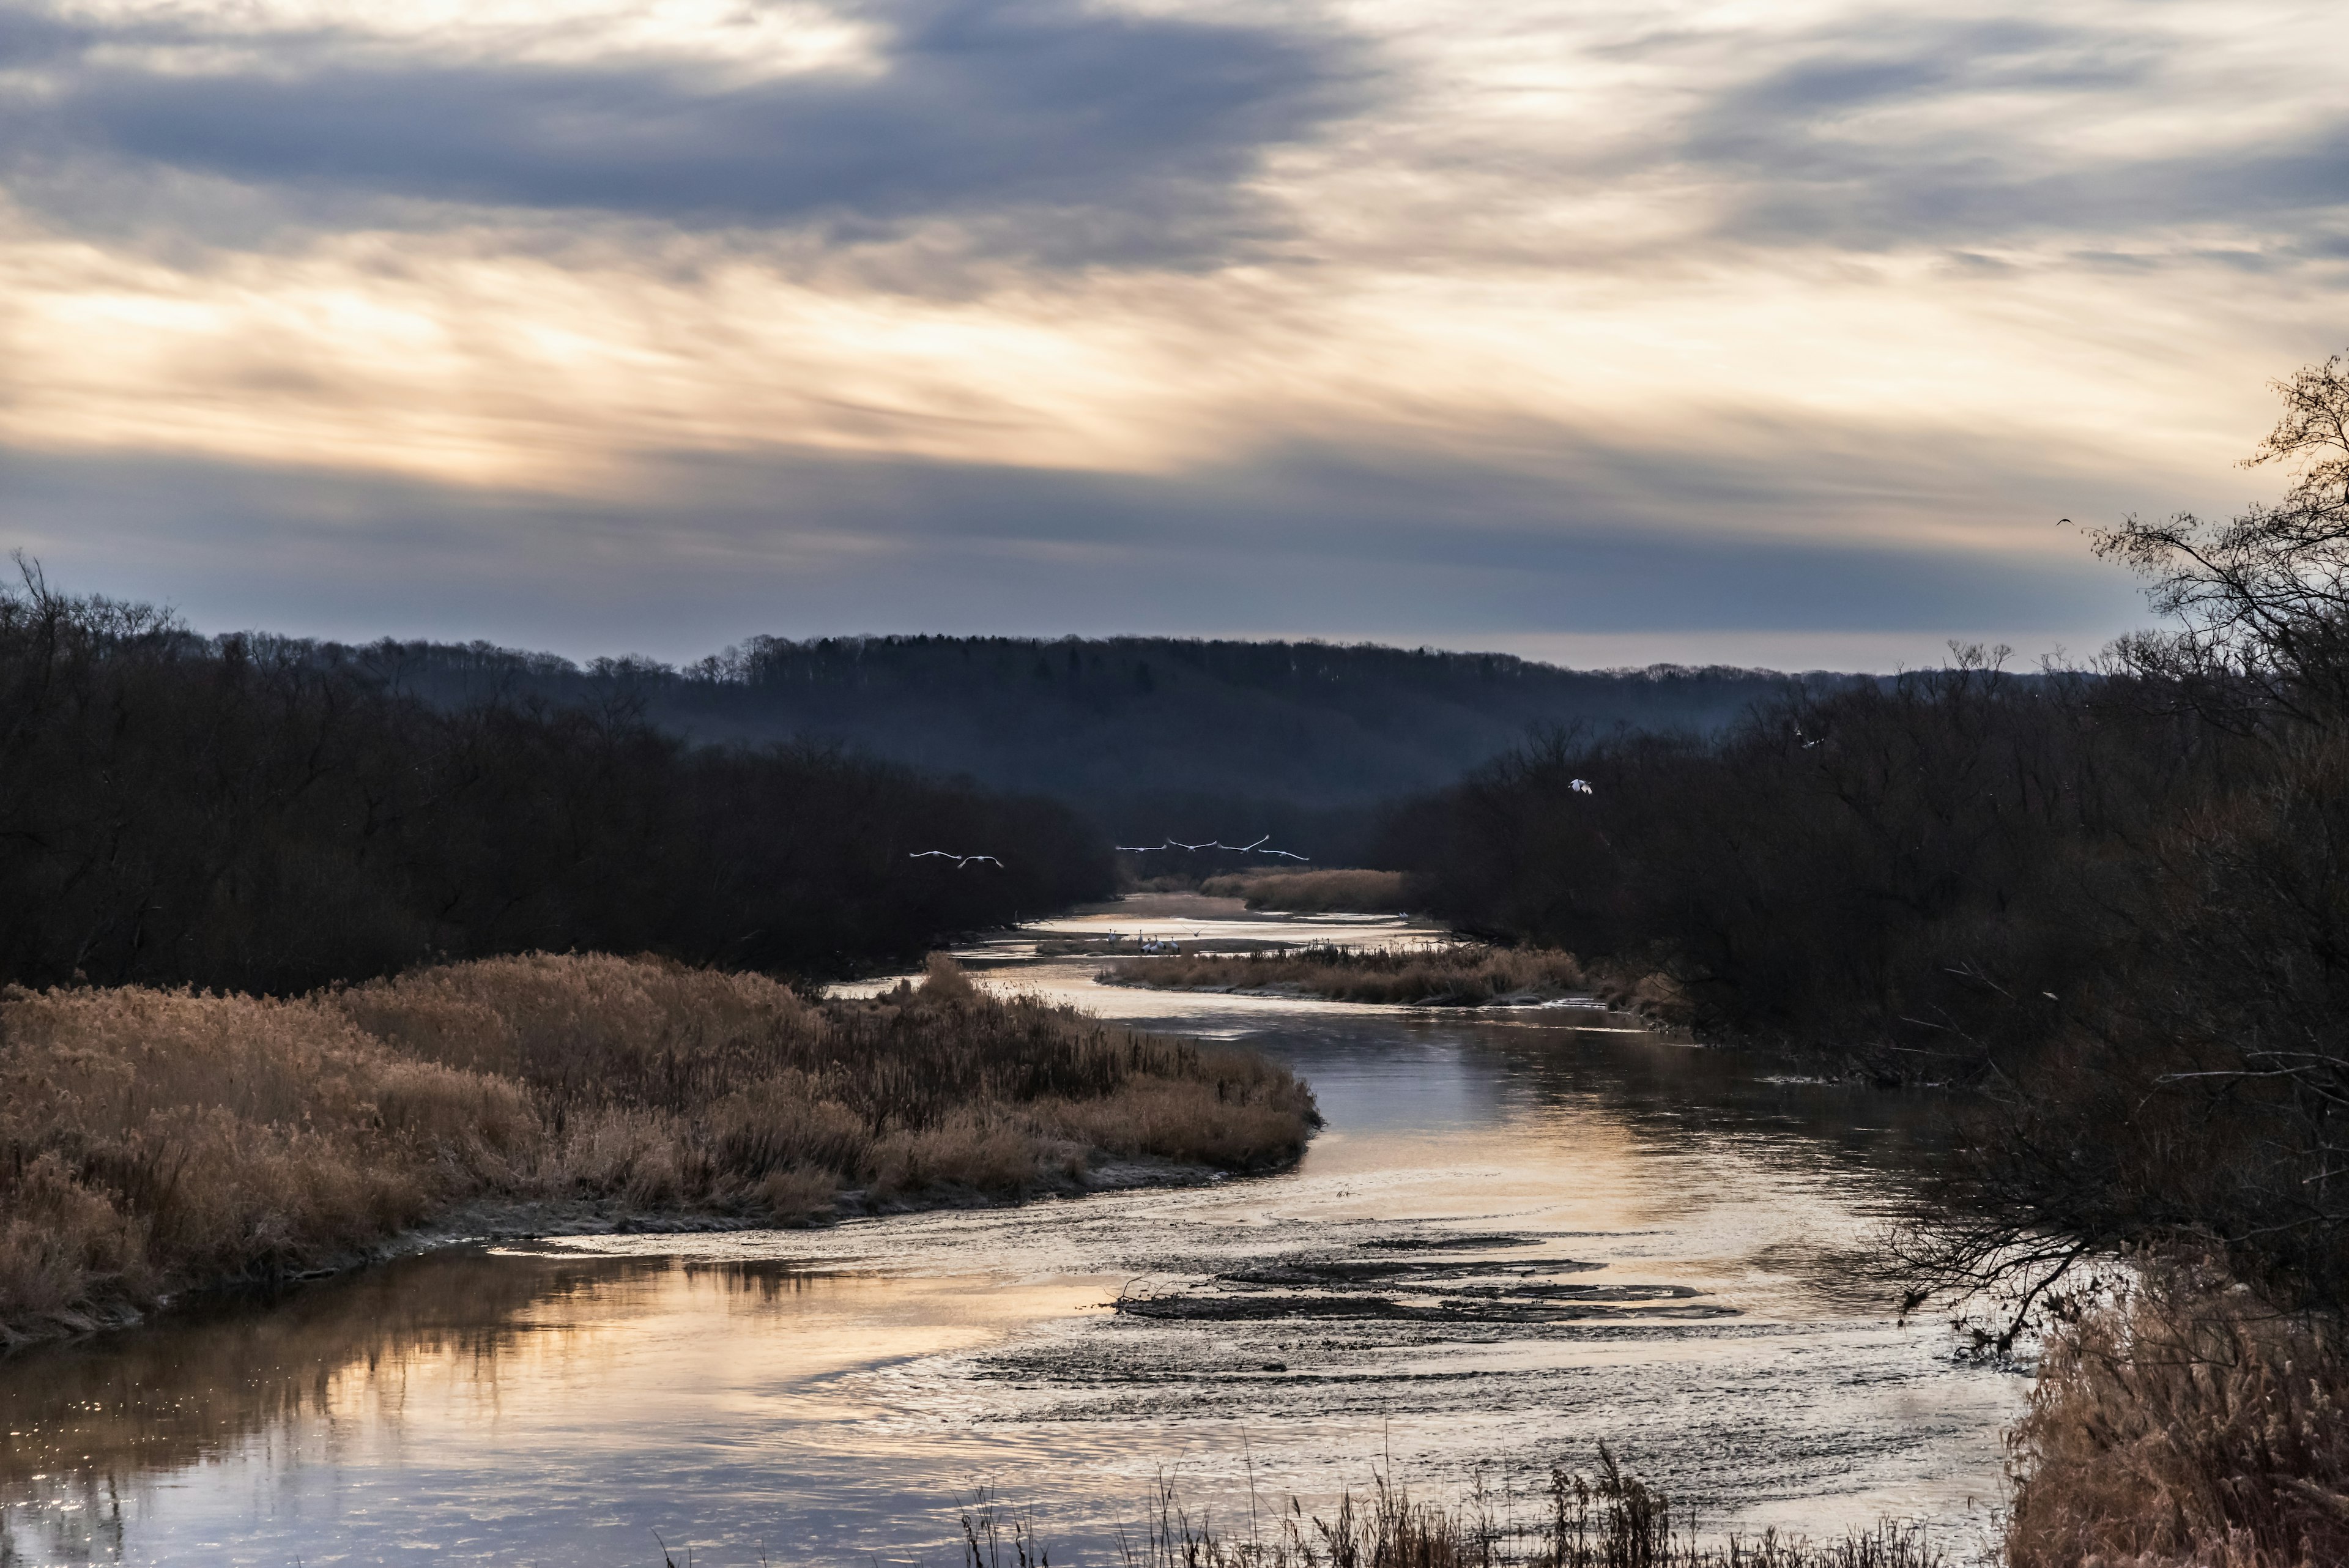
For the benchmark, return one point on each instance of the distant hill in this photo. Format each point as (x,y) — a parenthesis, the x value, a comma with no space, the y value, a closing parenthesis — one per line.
(1151,736)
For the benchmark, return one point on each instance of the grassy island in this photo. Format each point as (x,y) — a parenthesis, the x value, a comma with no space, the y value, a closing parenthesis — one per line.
(157,1141)
(1460,974)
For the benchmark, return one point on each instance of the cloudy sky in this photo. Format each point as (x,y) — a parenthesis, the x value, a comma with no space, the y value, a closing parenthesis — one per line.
(1779,331)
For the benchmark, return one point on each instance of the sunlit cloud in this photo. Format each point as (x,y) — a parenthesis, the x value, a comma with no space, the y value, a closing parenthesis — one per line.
(1843,283)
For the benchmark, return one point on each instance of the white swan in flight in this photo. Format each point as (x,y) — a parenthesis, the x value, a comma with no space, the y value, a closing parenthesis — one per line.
(961,860)
(1256,848)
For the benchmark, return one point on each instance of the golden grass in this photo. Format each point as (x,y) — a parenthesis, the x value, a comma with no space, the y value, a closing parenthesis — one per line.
(2188,1426)
(1462,974)
(152,1140)
(1336,890)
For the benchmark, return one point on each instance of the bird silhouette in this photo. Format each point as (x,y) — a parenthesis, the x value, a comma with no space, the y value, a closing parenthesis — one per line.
(1255,848)
(961,861)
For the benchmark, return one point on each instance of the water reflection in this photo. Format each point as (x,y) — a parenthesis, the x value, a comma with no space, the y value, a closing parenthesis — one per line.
(822,1396)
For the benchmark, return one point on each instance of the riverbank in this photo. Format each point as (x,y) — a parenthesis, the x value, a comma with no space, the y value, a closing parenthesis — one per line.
(155,1142)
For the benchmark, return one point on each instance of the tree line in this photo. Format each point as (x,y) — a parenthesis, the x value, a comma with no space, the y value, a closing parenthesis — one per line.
(257,814)
(2113,900)
(1148,736)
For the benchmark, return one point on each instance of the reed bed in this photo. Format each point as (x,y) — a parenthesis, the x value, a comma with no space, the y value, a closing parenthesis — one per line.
(155,1140)
(1610,1519)
(1461,974)
(1333,891)
(2188,1426)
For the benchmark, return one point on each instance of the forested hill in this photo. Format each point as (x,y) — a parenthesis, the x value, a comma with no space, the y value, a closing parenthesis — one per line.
(1150,736)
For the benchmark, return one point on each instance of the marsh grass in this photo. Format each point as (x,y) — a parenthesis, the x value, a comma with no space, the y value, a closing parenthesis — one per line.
(1337,890)
(1459,975)
(153,1140)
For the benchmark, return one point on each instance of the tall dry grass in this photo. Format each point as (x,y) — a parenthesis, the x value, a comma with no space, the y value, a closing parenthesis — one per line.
(1333,891)
(1611,1520)
(2189,1425)
(152,1140)
(1461,975)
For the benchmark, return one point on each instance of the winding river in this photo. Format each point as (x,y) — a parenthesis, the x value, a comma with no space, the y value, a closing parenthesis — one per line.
(1521,1234)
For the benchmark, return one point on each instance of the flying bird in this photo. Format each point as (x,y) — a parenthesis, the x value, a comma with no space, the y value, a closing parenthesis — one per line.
(961,861)
(1255,848)
(1581,786)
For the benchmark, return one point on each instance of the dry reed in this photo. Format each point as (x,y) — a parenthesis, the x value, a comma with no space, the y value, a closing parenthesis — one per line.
(1333,891)
(1459,975)
(1612,1519)
(2185,1425)
(155,1140)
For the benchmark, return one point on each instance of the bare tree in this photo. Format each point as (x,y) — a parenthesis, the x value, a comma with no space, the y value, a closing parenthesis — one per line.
(2262,598)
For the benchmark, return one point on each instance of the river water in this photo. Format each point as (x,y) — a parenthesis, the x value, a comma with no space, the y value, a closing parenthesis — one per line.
(1520,1235)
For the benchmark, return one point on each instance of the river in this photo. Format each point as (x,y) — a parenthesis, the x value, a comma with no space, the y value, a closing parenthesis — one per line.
(1519,1234)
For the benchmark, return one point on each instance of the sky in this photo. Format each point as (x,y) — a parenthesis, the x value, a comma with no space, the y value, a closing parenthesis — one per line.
(1772,333)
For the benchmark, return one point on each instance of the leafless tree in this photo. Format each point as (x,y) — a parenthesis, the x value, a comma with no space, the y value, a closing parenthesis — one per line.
(2261,601)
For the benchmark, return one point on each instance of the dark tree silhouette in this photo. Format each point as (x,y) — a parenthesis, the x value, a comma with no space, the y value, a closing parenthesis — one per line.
(242,812)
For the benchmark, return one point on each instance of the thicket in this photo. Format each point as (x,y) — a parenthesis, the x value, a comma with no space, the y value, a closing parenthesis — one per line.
(153,1139)
(250,814)
(2115,902)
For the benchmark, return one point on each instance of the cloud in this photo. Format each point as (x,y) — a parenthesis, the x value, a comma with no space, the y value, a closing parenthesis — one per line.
(1054,129)
(571,320)
(1415,546)
(1926,131)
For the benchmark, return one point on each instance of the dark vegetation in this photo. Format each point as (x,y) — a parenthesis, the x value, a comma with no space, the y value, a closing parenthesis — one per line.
(154,1141)
(1148,736)
(2117,903)
(258,815)
(1454,975)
